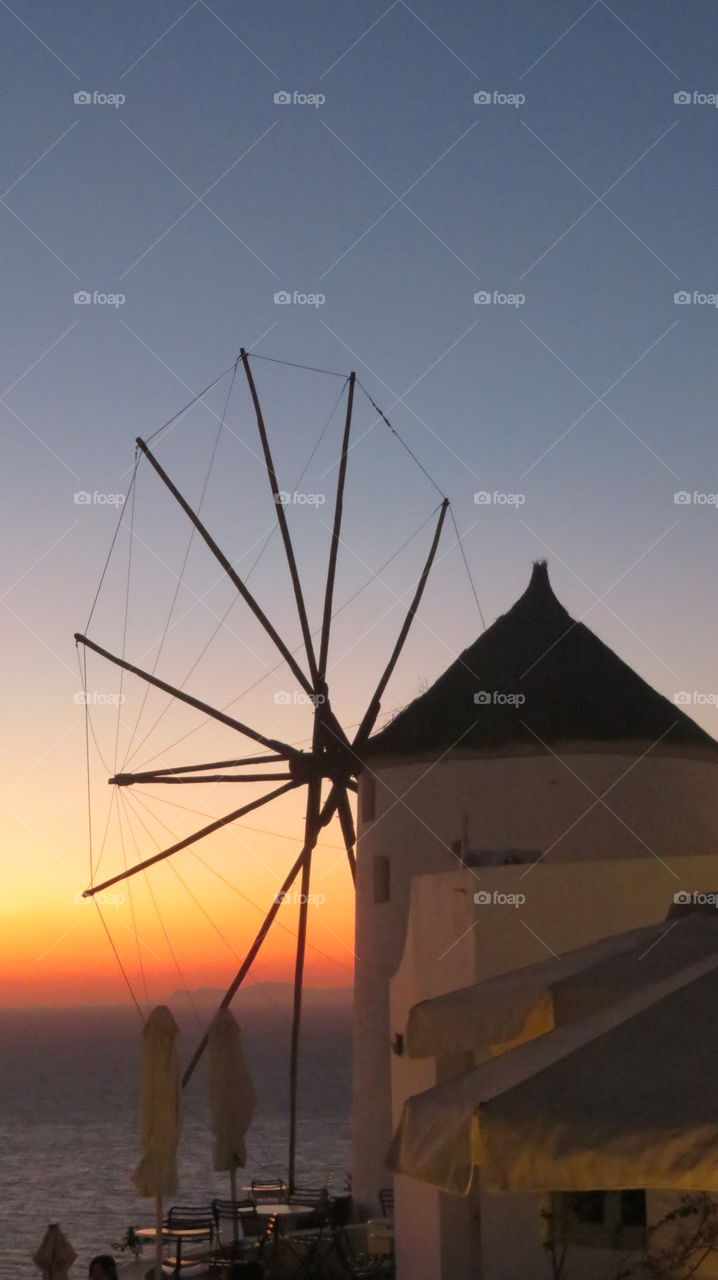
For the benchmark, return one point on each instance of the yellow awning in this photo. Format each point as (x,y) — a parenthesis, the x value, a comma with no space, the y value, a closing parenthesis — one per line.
(625,1097)
(493,1016)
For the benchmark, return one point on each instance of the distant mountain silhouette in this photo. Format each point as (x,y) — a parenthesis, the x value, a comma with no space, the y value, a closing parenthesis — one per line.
(263,995)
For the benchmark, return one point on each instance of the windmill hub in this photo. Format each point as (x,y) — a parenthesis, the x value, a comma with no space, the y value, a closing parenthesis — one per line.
(337,764)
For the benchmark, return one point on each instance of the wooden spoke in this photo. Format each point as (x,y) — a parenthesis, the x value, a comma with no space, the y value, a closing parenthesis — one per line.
(310,840)
(249,958)
(347,824)
(150,774)
(279,747)
(283,524)
(222,764)
(184,844)
(336,532)
(374,707)
(346,819)
(129,779)
(230,571)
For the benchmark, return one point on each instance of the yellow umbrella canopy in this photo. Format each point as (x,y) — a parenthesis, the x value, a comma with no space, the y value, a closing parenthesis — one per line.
(160,1106)
(55,1254)
(624,1097)
(231,1092)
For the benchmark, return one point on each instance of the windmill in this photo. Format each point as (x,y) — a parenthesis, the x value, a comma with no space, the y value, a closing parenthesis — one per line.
(328,771)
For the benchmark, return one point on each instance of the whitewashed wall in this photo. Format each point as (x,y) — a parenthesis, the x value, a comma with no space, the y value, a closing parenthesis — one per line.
(567,905)
(665,808)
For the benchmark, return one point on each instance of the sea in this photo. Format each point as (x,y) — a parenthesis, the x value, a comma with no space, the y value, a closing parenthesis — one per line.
(69,1126)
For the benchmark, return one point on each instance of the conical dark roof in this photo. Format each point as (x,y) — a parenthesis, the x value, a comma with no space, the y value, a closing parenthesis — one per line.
(574,688)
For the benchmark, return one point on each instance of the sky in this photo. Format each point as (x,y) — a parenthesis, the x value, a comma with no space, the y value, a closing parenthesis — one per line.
(502,218)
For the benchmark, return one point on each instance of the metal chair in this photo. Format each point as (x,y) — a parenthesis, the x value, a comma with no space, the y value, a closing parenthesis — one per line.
(318,1198)
(186,1218)
(235,1221)
(308,1253)
(386,1200)
(264,1192)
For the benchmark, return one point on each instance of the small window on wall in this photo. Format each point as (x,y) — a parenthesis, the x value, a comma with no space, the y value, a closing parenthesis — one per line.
(598,1219)
(368,797)
(382,879)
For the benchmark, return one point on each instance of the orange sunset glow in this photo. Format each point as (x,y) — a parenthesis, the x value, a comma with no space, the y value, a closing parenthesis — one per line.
(173,928)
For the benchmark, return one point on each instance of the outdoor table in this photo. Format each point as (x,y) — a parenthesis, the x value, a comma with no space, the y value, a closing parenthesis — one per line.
(181,1235)
(280,1209)
(285,1219)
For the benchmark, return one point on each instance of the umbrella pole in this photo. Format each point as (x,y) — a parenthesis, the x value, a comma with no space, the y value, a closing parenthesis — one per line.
(233,1195)
(158,1238)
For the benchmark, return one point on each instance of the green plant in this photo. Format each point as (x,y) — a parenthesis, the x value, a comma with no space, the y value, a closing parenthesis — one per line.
(554,1241)
(130,1243)
(675,1246)
(691,1231)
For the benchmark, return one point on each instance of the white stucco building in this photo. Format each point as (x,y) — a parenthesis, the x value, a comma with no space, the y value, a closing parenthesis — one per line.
(539,766)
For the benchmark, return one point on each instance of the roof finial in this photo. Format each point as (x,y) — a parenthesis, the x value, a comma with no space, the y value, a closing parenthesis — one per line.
(539,576)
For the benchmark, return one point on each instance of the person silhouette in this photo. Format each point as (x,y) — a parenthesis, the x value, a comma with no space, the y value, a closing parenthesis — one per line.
(103,1267)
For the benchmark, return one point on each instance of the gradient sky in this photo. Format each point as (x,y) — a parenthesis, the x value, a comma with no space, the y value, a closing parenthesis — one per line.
(397,199)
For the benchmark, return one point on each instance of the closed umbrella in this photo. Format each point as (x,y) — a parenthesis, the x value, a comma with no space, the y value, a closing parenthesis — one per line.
(231,1095)
(160,1116)
(55,1255)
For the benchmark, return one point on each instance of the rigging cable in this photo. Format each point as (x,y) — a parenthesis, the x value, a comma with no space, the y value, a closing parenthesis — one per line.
(180,576)
(118,526)
(119,961)
(234,888)
(132,910)
(332,373)
(183,980)
(432,481)
(242,826)
(235,598)
(82,664)
(208,917)
(130,548)
(267,674)
(95,868)
(403,443)
(183,882)
(192,402)
(466,566)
